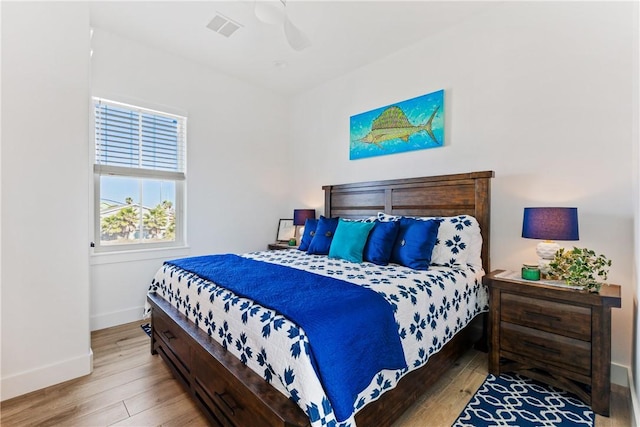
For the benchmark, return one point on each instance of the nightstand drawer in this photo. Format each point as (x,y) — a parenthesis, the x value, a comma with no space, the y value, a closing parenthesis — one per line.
(554,317)
(564,352)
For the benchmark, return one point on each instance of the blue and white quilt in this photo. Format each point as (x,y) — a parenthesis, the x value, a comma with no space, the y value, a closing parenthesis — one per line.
(430,307)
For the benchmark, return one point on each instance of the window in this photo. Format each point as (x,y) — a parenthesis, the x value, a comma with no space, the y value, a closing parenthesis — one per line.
(139,176)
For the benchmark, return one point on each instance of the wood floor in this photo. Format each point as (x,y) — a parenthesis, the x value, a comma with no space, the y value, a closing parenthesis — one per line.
(129,387)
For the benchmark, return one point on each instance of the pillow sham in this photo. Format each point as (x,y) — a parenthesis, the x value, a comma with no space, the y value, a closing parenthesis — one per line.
(459,240)
(309,231)
(414,243)
(323,236)
(349,240)
(380,242)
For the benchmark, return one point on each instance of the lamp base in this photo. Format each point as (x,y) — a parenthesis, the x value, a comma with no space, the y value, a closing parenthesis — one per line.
(298,233)
(546,250)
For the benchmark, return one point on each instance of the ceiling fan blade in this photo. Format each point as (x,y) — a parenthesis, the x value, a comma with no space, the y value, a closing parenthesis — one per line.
(296,38)
(270,11)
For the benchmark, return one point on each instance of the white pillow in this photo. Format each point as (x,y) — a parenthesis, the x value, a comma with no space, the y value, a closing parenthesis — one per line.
(459,240)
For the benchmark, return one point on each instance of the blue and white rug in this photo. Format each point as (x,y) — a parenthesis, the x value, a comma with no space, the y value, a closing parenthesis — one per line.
(512,400)
(146,327)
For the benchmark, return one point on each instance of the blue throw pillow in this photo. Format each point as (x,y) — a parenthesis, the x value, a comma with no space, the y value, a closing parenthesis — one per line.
(349,240)
(323,236)
(415,242)
(380,243)
(309,231)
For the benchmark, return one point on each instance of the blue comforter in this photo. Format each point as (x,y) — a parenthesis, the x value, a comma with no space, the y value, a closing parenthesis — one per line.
(351,330)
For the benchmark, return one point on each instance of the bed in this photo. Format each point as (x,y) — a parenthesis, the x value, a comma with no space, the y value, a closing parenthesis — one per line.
(229,379)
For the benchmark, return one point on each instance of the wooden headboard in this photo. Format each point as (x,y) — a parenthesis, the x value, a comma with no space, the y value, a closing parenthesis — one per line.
(444,195)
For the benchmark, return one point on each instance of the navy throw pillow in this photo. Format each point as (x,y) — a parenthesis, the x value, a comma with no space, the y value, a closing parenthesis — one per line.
(380,242)
(415,242)
(321,242)
(309,231)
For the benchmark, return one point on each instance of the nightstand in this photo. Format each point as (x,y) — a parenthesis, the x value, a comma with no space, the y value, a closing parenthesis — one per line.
(555,335)
(278,246)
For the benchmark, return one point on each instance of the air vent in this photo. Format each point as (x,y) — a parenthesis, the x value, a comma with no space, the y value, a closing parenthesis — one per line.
(223,25)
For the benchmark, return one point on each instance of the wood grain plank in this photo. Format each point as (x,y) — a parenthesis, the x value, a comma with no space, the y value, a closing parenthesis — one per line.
(69,403)
(172,411)
(103,417)
(164,391)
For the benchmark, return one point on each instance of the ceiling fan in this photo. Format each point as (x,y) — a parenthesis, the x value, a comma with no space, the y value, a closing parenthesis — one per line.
(274,12)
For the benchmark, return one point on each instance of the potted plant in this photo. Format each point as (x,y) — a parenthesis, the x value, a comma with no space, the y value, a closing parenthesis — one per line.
(580,267)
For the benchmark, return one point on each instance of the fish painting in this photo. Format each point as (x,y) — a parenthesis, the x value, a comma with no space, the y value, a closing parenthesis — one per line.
(393,124)
(414,124)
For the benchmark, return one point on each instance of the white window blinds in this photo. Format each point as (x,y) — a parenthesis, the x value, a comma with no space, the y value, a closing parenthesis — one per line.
(131,140)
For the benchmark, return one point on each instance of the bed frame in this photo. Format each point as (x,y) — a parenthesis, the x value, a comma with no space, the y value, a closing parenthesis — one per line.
(231,394)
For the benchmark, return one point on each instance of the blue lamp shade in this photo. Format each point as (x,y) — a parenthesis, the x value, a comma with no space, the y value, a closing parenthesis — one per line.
(301,215)
(550,223)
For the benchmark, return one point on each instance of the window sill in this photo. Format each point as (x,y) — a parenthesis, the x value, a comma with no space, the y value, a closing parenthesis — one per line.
(98,258)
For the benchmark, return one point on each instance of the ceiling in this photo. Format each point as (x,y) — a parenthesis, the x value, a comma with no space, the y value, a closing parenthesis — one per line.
(344,35)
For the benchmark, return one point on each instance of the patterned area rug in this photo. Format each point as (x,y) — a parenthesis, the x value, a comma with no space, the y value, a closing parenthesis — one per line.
(512,400)
(146,327)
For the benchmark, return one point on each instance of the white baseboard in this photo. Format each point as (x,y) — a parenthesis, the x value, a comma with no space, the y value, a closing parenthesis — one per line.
(620,375)
(116,318)
(45,376)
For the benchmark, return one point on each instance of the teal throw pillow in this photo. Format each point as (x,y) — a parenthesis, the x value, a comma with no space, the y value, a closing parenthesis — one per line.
(349,240)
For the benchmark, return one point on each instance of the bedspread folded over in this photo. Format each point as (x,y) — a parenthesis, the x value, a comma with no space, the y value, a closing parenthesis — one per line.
(336,315)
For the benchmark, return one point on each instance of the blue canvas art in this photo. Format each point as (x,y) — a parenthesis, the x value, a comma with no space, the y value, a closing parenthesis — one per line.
(414,124)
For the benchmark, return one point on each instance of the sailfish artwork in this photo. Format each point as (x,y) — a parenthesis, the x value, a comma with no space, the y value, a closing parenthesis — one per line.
(412,124)
(393,123)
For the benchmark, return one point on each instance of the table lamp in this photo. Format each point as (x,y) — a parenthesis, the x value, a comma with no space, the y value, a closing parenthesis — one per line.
(300,216)
(549,224)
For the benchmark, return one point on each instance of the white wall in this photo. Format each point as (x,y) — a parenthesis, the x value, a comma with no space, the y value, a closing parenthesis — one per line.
(45,274)
(539,92)
(237,164)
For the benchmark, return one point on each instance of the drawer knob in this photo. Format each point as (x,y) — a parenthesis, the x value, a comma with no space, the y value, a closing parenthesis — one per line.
(169,335)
